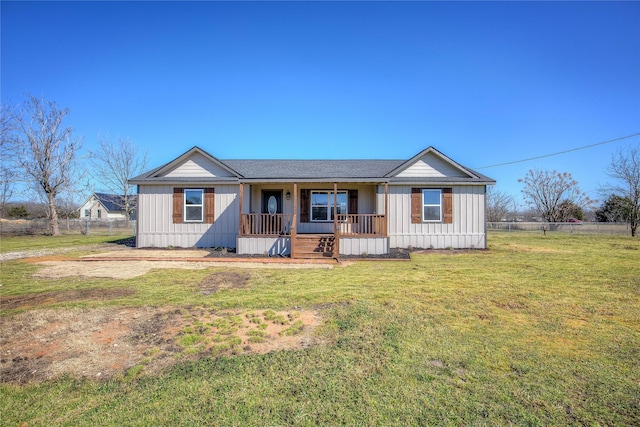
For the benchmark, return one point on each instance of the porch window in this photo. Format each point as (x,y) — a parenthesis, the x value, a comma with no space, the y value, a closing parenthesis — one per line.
(431,205)
(193,205)
(322,205)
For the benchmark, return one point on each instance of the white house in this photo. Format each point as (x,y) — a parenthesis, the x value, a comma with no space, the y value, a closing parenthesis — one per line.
(312,208)
(101,206)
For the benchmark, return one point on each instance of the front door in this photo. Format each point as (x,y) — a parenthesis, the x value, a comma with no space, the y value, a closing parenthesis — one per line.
(272,201)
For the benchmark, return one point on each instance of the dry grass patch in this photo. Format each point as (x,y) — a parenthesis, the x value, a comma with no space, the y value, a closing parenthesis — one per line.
(131,269)
(104,343)
(26,301)
(223,280)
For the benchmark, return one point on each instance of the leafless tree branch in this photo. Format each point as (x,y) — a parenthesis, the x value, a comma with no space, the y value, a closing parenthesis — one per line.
(553,194)
(48,151)
(625,169)
(115,163)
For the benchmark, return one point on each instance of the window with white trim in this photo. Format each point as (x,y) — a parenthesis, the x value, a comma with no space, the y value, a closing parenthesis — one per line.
(431,205)
(193,205)
(322,205)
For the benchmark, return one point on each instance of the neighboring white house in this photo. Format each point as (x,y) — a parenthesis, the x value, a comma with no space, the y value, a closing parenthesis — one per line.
(101,206)
(308,208)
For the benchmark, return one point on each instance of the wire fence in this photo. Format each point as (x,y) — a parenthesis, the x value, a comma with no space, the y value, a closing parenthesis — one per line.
(25,227)
(103,227)
(563,227)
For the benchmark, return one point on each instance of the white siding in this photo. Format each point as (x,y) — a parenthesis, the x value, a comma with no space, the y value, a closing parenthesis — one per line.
(431,166)
(94,206)
(197,166)
(156,227)
(467,231)
(364,246)
(273,246)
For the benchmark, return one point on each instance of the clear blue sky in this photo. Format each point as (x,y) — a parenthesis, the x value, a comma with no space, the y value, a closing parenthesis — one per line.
(483,82)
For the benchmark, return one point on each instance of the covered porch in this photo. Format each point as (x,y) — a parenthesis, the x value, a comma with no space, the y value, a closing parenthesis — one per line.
(313,219)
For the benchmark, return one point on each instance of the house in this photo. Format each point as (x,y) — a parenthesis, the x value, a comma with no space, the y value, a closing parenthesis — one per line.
(312,208)
(101,206)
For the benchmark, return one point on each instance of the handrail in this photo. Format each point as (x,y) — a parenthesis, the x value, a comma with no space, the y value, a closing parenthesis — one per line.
(264,224)
(362,224)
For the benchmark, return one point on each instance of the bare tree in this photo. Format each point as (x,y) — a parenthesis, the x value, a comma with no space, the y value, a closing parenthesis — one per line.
(115,164)
(499,204)
(553,194)
(48,151)
(625,169)
(7,155)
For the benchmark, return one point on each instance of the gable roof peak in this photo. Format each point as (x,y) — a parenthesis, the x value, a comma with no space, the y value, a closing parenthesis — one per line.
(184,156)
(433,150)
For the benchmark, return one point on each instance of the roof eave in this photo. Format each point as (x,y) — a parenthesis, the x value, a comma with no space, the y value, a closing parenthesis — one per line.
(441,181)
(324,179)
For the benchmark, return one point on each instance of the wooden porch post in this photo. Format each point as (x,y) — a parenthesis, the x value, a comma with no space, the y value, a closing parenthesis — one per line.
(294,221)
(336,231)
(386,209)
(240,209)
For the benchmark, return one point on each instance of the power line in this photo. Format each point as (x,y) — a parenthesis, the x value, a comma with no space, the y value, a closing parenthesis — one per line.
(560,152)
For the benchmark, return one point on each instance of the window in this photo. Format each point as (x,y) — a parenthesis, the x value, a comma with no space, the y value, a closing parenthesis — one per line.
(99,213)
(87,213)
(322,205)
(431,205)
(193,205)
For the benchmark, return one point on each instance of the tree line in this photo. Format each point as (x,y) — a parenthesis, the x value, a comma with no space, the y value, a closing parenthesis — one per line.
(556,197)
(42,156)
(39,150)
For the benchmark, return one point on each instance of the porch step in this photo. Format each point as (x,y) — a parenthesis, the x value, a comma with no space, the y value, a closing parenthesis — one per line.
(314,245)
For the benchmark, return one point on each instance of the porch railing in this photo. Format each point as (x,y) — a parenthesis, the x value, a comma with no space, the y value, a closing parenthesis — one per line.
(258,224)
(362,224)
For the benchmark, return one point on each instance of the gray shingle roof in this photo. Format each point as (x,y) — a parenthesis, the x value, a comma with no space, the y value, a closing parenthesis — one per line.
(114,202)
(311,170)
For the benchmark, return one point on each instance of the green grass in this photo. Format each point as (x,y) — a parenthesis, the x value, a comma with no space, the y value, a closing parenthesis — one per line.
(539,330)
(35,242)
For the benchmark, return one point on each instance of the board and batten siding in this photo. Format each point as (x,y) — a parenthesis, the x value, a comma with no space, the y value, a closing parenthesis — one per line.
(198,166)
(364,245)
(272,246)
(431,166)
(468,229)
(156,227)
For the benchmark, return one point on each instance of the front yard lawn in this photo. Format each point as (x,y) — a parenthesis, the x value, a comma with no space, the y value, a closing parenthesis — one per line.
(538,330)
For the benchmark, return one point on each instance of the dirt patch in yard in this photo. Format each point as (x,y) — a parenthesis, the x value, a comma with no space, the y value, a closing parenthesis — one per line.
(118,269)
(46,298)
(109,269)
(152,253)
(224,280)
(122,343)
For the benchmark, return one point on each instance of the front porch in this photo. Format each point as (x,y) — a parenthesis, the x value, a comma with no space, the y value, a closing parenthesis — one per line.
(279,233)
